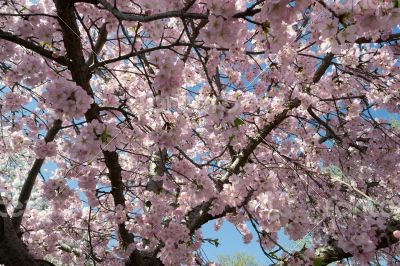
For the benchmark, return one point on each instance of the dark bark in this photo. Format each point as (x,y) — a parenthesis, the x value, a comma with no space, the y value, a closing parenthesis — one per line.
(12,249)
(31,178)
(33,47)
(81,75)
(332,253)
(199,215)
(326,62)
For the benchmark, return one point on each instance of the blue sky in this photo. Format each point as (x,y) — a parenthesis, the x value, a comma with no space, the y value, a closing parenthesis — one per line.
(231,242)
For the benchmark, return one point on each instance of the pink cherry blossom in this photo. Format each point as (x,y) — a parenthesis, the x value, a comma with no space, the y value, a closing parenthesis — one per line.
(67,98)
(45,149)
(127,127)
(13,101)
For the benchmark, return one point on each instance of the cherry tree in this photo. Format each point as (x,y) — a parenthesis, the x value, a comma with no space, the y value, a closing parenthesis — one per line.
(160,116)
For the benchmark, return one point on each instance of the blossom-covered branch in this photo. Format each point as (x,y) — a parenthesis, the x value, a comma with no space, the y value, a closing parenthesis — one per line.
(128,125)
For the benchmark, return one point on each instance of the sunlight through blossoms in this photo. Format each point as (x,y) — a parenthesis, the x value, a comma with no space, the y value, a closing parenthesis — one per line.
(126,126)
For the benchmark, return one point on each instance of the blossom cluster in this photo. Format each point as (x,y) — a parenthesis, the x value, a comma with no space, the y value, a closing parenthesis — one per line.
(45,149)
(93,138)
(67,98)
(279,115)
(169,77)
(13,101)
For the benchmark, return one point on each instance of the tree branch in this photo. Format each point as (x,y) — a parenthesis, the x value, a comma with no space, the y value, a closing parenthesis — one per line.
(81,75)
(33,47)
(27,187)
(390,38)
(169,14)
(331,253)
(244,155)
(101,40)
(326,62)
(199,215)
(12,249)
(143,18)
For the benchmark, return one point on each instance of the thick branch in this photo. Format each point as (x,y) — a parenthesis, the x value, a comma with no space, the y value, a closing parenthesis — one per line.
(101,40)
(328,254)
(244,155)
(200,215)
(169,14)
(389,38)
(142,18)
(81,75)
(31,178)
(114,174)
(33,47)
(12,249)
(326,62)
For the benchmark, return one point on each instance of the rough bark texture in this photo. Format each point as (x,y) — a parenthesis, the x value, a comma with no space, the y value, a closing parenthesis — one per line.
(332,253)
(199,215)
(12,249)
(81,75)
(27,187)
(33,47)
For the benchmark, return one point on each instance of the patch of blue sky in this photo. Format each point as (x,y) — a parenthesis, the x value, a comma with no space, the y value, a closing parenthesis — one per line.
(230,241)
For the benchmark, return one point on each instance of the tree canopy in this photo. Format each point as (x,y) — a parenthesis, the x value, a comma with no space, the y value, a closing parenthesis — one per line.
(239,259)
(159,116)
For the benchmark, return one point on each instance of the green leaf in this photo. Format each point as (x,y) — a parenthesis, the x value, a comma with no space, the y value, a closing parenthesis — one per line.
(273,255)
(395,124)
(105,138)
(344,19)
(44,44)
(214,242)
(238,122)
(265,27)
(318,262)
